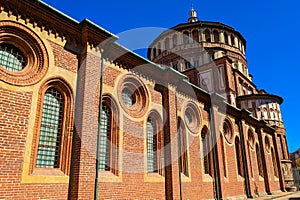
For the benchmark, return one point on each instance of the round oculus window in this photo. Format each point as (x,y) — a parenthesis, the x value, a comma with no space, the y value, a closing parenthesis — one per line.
(133,96)
(192,118)
(128,97)
(227,132)
(11,58)
(23,55)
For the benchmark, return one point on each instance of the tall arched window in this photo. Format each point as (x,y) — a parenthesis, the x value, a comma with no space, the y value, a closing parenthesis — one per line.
(159,48)
(167,43)
(274,162)
(151,145)
(175,40)
(238,155)
(104,138)
(206,151)
(52,141)
(232,40)
(154,52)
(195,36)
(250,146)
(207,35)
(183,149)
(108,147)
(216,36)
(186,37)
(223,155)
(49,145)
(259,161)
(225,38)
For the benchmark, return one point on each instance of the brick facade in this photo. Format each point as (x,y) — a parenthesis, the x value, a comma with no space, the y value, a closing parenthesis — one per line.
(71,57)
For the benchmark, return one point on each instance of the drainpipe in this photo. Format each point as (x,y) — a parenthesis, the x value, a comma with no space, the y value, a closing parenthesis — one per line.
(215,155)
(178,146)
(99,130)
(247,182)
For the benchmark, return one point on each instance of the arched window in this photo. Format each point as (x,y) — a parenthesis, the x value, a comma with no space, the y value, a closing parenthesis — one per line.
(159,48)
(105,133)
(151,145)
(167,43)
(223,155)
(232,40)
(238,155)
(274,162)
(207,35)
(54,128)
(216,36)
(226,38)
(259,161)
(108,136)
(185,37)
(49,145)
(206,151)
(183,149)
(250,146)
(175,43)
(195,36)
(154,52)
(11,58)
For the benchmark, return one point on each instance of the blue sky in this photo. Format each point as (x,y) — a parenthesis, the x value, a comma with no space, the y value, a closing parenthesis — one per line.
(271,28)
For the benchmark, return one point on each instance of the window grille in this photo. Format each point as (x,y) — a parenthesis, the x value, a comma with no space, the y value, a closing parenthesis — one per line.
(152,146)
(50,130)
(105,133)
(128,98)
(183,150)
(11,58)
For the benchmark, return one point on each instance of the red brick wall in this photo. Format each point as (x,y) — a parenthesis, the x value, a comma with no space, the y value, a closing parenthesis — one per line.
(14,114)
(64,58)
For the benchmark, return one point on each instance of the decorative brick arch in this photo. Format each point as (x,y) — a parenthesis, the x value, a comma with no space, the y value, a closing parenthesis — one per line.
(33,48)
(67,124)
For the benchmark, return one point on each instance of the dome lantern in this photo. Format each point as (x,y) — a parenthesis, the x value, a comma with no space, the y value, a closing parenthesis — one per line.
(193,15)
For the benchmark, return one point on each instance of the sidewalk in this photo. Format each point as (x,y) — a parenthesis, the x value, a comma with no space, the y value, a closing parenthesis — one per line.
(282,196)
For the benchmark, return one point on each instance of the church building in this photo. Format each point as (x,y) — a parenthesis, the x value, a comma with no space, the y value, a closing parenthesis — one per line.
(83,117)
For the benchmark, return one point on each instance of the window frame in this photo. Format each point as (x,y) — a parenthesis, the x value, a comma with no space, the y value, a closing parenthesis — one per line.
(66,129)
(114,137)
(159,138)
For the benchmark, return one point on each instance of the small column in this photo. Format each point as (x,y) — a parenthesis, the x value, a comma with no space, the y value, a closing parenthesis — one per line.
(222,39)
(236,42)
(202,35)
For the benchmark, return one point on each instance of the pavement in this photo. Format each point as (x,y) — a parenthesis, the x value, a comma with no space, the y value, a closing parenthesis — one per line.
(281,196)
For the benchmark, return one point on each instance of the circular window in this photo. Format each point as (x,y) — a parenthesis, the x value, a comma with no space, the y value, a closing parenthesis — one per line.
(23,55)
(192,117)
(11,58)
(128,97)
(188,118)
(133,96)
(251,139)
(227,131)
(267,143)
